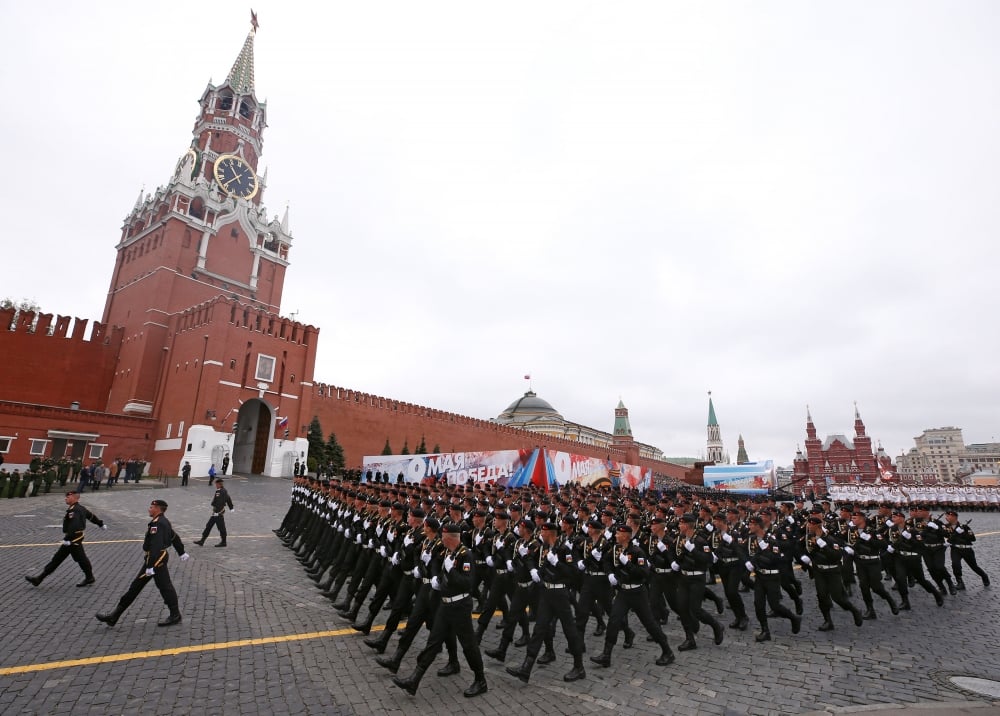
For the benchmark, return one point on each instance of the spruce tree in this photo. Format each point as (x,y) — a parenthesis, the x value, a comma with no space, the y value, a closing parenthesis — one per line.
(317,447)
(406,447)
(422,447)
(335,454)
(387,450)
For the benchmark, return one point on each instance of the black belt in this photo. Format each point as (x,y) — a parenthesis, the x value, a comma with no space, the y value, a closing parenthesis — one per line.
(867,558)
(962,546)
(729,560)
(553,585)
(909,554)
(524,584)
(662,570)
(597,574)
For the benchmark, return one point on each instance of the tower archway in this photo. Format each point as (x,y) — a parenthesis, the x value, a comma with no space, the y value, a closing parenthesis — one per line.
(254,427)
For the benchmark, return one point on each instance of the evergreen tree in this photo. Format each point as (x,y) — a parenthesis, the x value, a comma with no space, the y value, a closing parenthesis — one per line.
(406,447)
(387,450)
(317,447)
(437,448)
(422,447)
(335,454)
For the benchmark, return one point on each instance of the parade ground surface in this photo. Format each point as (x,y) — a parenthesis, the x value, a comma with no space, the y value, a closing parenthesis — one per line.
(257,637)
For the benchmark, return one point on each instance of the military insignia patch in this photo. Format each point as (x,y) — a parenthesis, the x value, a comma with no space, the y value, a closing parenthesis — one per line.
(152,530)
(776,550)
(641,561)
(707,548)
(466,567)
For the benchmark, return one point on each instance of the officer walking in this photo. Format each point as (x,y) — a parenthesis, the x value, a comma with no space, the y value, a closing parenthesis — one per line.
(74,522)
(160,536)
(220,501)
(185,473)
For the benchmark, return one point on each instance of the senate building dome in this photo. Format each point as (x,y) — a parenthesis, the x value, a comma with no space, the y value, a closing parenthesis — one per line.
(529,408)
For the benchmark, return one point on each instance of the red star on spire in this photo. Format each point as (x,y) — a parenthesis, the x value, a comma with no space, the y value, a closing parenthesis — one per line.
(253,20)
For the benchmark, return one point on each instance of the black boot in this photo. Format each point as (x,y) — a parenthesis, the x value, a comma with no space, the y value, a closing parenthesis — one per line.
(827,625)
(892,606)
(390,662)
(200,542)
(35,580)
(478,686)
(523,672)
(796,623)
(523,641)
(379,643)
(666,657)
(548,656)
(718,632)
(905,605)
(689,643)
(869,613)
(577,672)
(500,653)
(959,585)
(798,605)
(480,630)
(451,668)
(743,623)
(629,639)
(364,627)
(173,618)
(110,618)
(858,618)
(763,635)
(951,589)
(603,659)
(410,683)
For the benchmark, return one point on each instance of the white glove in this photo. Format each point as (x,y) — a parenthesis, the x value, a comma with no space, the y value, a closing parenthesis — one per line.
(448,563)
(890,549)
(510,566)
(932,525)
(709,527)
(105,526)
(435,583)
(407,541)
(888,523)
(534,576)
(727,538)
(674,566)
(596,554)
(805,559)
(522,550)
(479,538)
(790,520)
(425,557)
(391,535)
(689,545)
(416,572)
(340,528)
(394,559)
(849,550)
(581,565)
(381,551)
(623,558)
(358,538)
(959,530)
(66,543)
(851,524)
(489,561)
(568,543)
(906,534)
(371,543)
(232,510)
(149,572)
(763,544)
(553,558)
(498,544)
(661,545)
(715,558)
(378,530)
(368,523)
(185,557)
(865,536)
(820,542)
(613,580)
(749,566)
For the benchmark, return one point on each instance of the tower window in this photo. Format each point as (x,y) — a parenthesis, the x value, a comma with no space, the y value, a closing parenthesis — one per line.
(226,102)
(245,110)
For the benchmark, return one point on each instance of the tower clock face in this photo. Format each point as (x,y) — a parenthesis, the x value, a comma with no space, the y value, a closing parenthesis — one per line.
(235,176)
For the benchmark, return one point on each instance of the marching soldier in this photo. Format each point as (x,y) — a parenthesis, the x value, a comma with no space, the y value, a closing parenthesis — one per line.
(692,557)
(905,548)
(730,565)
(74,522)
(220,501)
(824,554)
(961,538)
(160,536)
(764,561)
(868,543)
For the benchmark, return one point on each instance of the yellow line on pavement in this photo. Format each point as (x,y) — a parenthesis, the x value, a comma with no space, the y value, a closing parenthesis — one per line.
(111,658)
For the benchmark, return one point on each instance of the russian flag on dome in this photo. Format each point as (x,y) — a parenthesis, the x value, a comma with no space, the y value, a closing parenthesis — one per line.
(283,422)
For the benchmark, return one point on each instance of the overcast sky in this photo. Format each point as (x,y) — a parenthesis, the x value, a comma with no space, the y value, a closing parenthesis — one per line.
(785,203)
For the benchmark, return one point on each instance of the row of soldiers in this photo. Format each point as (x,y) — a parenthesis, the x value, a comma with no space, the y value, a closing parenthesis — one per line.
(568,556)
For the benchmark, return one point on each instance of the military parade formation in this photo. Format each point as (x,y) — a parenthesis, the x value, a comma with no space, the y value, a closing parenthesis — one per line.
(451,557)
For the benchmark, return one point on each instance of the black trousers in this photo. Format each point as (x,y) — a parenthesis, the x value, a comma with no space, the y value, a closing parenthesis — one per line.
(870,580)
(911,567)
(731,575)
(424,610)
(594,590)
(161,576)
(517,614)
(75,550)
(690,593)
(499,592)
(767,593)
(830,589)
(215,520)
(968,556)
(636,600)
(453,622)
(554,603)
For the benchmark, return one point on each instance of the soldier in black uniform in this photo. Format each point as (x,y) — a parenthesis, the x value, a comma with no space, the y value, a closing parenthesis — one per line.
(74,522)
(905,547)
(824,553)
(499,550)
(160,536)
(692,557)
(628,569)
(523,560)
(220,501)
(407,556)
(933,537)
(764,560)
(961,538)
(868,543)
(452,578)
(731,558)
(553,572)
(185,473)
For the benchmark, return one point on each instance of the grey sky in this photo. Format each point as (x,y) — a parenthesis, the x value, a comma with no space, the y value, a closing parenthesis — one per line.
(784,203)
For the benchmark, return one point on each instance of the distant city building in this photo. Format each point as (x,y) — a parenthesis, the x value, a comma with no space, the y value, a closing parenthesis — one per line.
(941,454)
(980,458)
(839,458)
(529,412)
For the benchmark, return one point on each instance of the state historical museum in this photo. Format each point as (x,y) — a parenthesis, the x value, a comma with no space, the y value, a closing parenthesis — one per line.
(192,359)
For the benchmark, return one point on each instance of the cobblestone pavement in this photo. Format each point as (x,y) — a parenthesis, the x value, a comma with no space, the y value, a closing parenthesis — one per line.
(304,659)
